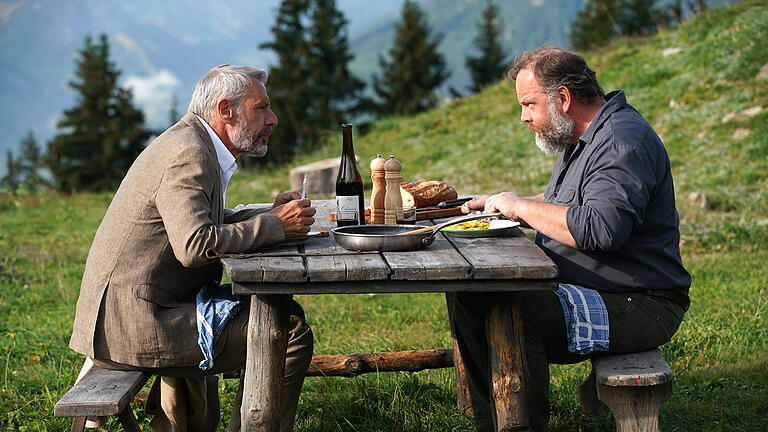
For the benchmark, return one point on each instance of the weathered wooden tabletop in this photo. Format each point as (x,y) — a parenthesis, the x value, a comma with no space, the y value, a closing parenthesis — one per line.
(510,263)
(449,264)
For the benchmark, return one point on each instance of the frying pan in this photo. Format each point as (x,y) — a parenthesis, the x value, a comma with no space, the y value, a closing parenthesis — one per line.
(385,238)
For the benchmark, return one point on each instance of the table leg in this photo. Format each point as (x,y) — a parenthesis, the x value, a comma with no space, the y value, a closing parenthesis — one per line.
(507,359)
(462,387)
(265,363)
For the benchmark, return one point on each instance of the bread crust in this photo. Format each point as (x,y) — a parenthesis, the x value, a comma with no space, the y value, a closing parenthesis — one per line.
(426,193)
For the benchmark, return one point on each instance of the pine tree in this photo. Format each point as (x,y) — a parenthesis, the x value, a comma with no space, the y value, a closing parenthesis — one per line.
(603,20)
(415,67)
(311,87)
(638,18)
(102,135)
(491,63)
(596,24)
(289,89)
(173,112)
(30,162)
(335,89)
(11,179)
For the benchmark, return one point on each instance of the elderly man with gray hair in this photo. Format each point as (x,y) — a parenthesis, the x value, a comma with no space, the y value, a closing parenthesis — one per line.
(151,297)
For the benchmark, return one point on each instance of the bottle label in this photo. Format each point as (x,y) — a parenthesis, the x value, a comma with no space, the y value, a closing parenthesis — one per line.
(347,208)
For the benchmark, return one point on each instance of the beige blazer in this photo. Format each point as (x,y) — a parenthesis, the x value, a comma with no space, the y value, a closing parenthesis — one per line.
(154,251)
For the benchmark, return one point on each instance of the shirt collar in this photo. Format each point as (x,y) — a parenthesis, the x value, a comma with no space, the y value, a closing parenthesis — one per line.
(613,102)
(227,162)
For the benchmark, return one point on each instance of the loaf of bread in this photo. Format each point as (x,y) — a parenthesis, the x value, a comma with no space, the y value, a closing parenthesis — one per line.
(426,193)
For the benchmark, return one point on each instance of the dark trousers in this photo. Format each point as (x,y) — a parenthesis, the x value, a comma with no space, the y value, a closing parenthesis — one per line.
(637,322)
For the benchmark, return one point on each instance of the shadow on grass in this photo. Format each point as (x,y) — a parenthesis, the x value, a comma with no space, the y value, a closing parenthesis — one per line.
(424,401)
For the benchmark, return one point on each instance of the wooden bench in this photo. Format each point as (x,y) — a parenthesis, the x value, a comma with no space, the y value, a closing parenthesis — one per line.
(102,393)
(633,386)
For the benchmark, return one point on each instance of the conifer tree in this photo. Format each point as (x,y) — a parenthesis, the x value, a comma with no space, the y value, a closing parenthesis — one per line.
(603,20)
(311,87)
(30,162)
(489,66)
(173,112)
(102,135)
(638,18)
(11,178)
(596,24)
(335,89)
(415,67)
(288,88)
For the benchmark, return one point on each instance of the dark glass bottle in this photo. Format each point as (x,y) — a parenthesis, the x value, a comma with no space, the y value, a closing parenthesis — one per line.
(350,204)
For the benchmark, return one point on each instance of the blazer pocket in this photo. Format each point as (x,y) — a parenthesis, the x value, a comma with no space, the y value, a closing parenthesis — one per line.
(156,295)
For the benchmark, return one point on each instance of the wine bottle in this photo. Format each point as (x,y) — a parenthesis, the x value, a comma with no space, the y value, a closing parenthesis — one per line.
(350,204)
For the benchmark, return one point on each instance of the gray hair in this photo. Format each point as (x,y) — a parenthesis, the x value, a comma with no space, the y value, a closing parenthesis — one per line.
(225,81)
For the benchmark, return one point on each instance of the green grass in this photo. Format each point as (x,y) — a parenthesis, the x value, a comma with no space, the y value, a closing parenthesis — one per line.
(702,100)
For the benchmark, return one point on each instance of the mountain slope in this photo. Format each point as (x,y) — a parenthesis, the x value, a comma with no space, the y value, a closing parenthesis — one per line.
(527,23)
(696,85)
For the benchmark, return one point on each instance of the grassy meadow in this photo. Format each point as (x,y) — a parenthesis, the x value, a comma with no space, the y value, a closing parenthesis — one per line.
(703,86)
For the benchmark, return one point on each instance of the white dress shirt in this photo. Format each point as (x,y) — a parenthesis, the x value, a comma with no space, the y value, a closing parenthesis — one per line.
(227,162)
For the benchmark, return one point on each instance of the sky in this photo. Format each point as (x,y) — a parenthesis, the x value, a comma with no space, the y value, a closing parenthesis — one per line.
(162,49)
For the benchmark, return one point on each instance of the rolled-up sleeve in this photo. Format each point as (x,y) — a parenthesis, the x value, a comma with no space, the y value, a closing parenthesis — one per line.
(615,192)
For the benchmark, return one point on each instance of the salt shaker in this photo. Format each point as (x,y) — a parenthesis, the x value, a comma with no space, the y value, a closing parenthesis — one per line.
(379,190)
(393,201)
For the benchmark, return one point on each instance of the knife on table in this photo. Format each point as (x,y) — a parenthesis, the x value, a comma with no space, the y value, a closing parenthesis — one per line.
(453,203)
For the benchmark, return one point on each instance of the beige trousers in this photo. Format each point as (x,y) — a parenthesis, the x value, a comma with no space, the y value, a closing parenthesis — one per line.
(186,399)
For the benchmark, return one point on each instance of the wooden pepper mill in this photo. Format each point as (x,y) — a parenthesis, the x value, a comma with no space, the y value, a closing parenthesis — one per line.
(379,190)
(392,199)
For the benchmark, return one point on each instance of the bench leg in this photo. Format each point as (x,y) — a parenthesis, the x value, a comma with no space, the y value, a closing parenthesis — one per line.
(128,420)
(636,409)
(588,400)
(78,424)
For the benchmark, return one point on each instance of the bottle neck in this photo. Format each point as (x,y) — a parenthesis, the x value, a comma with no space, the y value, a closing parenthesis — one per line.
(347,147)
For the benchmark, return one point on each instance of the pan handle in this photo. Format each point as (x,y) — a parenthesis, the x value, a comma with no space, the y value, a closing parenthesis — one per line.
(460,219)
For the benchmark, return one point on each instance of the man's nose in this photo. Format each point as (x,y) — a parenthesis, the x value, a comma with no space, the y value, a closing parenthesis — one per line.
(272,118)
(525,116)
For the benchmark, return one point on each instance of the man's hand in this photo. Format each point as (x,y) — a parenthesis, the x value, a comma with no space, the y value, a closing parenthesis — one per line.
(286,197)
(476,203)
(505,202)
(296,216)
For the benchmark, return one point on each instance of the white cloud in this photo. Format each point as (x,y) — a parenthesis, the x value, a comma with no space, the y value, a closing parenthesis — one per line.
(189,38)
(153,94)
(6,9)
(138,56)
(537,3)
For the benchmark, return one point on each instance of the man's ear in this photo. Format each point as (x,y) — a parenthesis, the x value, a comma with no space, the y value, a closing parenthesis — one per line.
(225,111)
(565,98)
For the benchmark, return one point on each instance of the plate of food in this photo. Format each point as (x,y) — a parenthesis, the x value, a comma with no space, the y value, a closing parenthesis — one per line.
(481,228)
(297,240)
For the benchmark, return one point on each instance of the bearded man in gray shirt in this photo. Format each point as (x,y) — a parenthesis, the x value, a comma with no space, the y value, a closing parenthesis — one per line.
(607,219)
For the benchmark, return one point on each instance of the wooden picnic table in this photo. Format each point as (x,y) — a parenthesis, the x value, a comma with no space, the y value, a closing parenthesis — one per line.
(500,266)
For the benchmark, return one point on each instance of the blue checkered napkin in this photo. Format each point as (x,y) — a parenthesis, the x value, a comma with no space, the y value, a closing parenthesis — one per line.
(586,319)
(215,307)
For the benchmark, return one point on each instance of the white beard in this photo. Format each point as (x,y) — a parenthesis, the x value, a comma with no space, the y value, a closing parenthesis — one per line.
(559,135)
(251,144)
